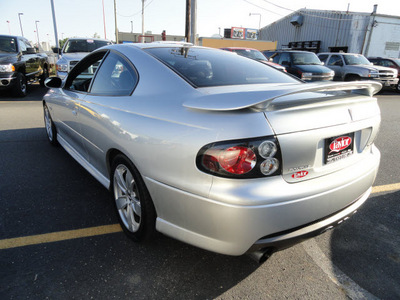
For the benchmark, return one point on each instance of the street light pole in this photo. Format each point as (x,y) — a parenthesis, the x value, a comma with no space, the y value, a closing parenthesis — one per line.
(37,32)
(20,24)
(9,30)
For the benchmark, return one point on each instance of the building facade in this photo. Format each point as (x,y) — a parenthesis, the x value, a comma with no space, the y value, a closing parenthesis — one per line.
(370,34)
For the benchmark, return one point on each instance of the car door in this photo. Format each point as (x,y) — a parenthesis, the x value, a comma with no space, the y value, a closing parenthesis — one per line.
(69,107)
(99,110)
(335,63)
(31,58)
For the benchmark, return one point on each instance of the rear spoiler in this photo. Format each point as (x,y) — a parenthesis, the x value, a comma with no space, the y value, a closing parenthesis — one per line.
(234,100)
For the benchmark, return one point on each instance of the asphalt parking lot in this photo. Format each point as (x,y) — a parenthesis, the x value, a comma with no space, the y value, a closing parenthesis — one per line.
(59,238)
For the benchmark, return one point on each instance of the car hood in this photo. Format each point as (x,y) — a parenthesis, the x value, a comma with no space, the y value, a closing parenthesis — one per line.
(372,68)
(313,68)
(6,57)
(262,96)
(74,56)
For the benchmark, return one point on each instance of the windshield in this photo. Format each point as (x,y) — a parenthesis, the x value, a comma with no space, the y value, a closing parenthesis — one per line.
(356,59)
(88,45)
(8,44)
(204,67)
(397,61)
(253,54)
(305,58)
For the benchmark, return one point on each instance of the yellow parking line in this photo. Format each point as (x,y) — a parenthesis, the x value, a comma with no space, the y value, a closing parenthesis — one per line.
(386,188)
(106,229)
(58,236)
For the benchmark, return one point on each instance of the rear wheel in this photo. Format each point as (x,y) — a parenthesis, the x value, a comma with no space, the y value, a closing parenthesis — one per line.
(135,209)
(20,85)
(44,76)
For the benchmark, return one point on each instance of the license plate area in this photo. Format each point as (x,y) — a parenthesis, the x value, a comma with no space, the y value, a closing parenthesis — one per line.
(338,147)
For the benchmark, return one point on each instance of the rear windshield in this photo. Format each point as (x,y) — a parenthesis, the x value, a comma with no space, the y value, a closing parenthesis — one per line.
(204,67)
(86,45)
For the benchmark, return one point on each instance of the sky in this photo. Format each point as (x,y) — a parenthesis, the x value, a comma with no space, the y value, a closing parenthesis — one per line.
(84,18)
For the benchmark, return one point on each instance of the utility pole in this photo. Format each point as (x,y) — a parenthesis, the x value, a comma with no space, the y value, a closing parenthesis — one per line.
(143,18)
(9,30)
(188,20)
(55,24)
(115,17)
(104,23)
(193,23)
(20,24)
(37,32)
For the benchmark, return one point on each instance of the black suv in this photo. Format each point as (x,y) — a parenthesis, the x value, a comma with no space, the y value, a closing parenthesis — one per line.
(393,63)
(302,64)
(19,64)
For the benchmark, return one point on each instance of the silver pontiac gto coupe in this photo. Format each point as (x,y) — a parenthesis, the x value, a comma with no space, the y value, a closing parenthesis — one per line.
(215,149)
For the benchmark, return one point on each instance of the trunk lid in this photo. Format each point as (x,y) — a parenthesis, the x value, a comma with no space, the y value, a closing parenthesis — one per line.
(321,128)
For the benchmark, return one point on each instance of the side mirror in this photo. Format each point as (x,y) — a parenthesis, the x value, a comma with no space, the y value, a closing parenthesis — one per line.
(56,50)
(53,82)
(30,51)
(322,63)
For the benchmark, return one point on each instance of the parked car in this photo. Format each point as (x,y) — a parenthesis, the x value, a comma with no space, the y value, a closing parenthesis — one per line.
(302,64)
(20,64)
(214,149)
(74,50)
(254,54)
(389,63)
(351,66)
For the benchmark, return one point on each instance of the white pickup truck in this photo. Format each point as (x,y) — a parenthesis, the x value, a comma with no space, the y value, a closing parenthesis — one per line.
(351,67)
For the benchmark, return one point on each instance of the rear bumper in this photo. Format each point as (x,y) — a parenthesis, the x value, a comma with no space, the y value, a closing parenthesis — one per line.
(251,214)
(288,238)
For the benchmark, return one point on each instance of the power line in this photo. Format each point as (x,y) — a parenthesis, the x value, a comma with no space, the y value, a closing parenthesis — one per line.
(139,12)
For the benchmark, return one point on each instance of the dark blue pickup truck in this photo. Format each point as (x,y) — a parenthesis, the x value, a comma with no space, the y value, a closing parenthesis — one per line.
(20,64)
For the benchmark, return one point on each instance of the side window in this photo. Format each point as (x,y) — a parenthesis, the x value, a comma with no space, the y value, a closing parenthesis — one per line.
(82,74)
(22,45)
(335,60)
(116,77)
(323,57)
(284,59)
(275,58)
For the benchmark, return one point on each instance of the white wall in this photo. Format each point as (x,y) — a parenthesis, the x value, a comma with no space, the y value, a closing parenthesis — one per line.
(385,39)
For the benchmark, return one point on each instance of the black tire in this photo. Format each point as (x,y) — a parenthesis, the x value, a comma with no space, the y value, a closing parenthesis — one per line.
(51,130)
(133,204)
(20,87)
(398,87)
(352,78)
(44,76)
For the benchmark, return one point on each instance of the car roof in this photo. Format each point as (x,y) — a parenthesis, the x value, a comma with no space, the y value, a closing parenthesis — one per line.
(88,38)
(239,48)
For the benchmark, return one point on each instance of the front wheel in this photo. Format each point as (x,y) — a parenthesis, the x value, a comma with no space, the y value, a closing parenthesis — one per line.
(135,209)
(49,125)
(398,87)
(20,87)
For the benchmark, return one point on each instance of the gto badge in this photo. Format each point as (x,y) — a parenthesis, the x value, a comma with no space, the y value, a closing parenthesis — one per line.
(299,174)
(340,144)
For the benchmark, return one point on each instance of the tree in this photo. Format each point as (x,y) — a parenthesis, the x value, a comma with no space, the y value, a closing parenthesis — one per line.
(96,35)
(62,42)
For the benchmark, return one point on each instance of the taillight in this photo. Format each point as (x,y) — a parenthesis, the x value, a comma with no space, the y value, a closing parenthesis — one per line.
(250,158)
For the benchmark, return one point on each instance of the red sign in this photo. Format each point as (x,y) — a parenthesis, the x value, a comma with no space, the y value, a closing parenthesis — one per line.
(340,144)
(299,174)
